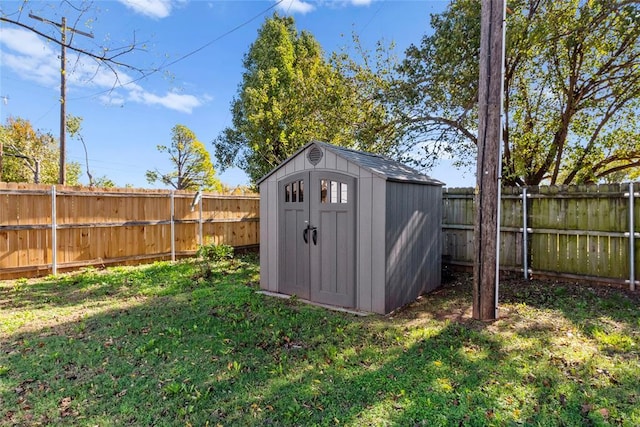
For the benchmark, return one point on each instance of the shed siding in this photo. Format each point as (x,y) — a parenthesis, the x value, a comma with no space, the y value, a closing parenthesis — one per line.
(269,235)
(412,242)
(299,163)
(378,276)
(363,250)
(343,166)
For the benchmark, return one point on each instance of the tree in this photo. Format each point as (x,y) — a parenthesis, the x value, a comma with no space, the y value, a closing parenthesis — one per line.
(193,167)
(28,155)
(572,89)
(290,95)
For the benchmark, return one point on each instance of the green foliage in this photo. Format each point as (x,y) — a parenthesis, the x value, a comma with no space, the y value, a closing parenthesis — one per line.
(291,94)
(29,155)
(572,89)
(214,253)
(193,167)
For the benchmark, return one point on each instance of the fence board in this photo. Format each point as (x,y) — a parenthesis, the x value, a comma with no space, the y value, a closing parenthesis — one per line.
(96,227)
(575,231)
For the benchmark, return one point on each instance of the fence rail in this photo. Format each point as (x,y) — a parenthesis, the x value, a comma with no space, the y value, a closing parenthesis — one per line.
(577,232)
(583,232)
(44,229)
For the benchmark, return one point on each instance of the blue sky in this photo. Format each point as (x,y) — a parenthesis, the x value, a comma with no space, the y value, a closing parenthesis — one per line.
(199,46)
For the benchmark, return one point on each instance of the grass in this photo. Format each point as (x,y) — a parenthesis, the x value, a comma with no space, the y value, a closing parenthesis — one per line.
(187,344)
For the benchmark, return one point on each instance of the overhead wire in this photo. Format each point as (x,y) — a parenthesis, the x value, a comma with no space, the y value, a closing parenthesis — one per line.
(189,54)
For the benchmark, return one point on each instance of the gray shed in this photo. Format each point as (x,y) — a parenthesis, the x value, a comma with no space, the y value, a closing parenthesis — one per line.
(349,229)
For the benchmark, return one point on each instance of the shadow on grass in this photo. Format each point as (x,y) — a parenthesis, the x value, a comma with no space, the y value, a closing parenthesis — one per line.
(218,352)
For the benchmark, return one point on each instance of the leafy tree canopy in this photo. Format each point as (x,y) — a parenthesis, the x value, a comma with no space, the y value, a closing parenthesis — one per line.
(572,89)
(192,162)
(290,94)
(29,155)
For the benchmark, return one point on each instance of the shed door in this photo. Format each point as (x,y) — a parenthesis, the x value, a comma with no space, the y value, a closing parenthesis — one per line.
(317,219)
(333,249)
(294,251)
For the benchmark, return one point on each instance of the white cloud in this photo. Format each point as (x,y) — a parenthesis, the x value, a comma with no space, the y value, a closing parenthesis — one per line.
(32,59)
(306,6)
(295,6)
(152,8)
(171,100)
(29,56)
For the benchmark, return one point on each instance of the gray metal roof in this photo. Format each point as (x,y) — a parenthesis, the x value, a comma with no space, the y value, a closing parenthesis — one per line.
(381,166)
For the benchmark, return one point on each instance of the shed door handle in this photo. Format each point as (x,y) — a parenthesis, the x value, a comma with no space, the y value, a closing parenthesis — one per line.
(305,234)
(314,236)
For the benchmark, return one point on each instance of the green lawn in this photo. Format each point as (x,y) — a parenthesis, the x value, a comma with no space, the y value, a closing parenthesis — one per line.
(182,344)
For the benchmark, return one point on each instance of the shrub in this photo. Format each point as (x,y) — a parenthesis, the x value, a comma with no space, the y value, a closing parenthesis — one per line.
(215,253)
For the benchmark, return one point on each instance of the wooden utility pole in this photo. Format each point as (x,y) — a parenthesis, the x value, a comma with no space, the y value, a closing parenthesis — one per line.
(487,199)
(63,87)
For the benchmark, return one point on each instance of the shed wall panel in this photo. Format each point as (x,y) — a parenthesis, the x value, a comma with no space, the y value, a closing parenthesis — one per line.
(354,169)
(363,249)
(264,236)
(378,273)
(273,242)
(342,165)
(413,242)
(299,162)
(330,160)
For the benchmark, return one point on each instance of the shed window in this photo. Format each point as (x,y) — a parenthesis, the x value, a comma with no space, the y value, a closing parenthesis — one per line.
(333,192)
(323,190)
(343,192)
(294,192)
(301,191)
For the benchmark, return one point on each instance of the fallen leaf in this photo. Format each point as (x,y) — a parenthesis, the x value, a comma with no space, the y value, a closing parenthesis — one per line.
(65,407)
(604,412)
(65,402)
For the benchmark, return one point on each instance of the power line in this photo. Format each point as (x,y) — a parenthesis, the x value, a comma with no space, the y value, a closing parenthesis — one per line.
(63,80)
(193,52)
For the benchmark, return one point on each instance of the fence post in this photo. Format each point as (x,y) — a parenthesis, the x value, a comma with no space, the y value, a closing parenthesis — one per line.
(200,232)
(525,234)
(632,235)
(54,233)
(173,226)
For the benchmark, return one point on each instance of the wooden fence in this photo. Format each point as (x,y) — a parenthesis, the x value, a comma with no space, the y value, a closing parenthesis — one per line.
(44,229)
(575,232)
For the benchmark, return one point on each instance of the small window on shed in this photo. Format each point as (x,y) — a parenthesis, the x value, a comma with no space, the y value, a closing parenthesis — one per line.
(301,191)
(343,192)
(334,191)
(294,192)
(287,193)
(323,190)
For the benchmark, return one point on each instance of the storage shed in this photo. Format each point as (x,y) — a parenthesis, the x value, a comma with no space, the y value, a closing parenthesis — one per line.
(350,229)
